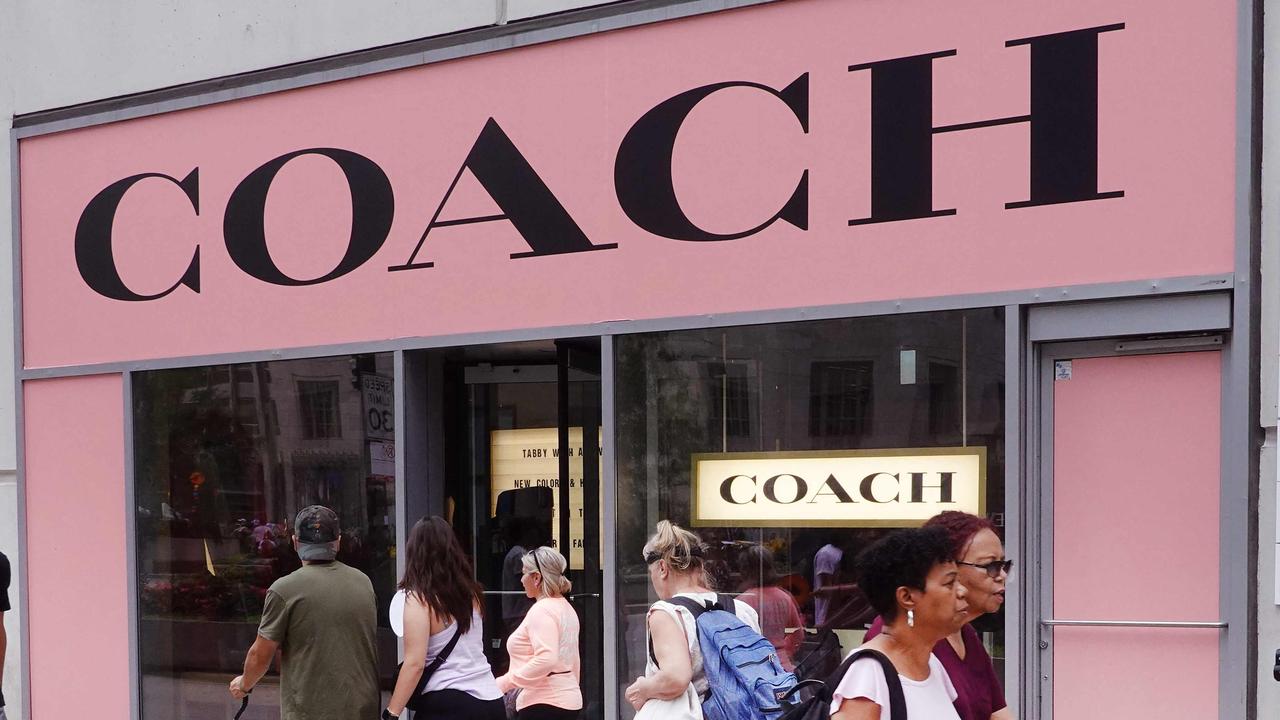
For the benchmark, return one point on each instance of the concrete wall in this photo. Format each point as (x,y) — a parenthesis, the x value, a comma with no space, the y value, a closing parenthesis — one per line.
(55,53)
(1269,477)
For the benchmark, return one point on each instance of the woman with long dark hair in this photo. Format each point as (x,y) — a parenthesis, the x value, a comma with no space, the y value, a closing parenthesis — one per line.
(438,611)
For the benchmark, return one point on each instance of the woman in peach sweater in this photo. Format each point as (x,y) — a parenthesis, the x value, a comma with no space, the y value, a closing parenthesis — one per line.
(545,666)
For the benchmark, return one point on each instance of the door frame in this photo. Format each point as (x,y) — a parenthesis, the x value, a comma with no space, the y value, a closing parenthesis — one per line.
(1116,329)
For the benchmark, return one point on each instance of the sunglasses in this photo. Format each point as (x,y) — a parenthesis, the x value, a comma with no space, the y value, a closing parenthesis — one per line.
(993,568)
(536,564)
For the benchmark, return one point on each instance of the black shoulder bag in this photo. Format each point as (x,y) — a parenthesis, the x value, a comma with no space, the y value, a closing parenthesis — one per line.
(814,696)
(416,699)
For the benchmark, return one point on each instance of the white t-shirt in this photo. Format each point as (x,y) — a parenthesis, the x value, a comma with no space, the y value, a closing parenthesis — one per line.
(745,613)
(928,699)
(826,562)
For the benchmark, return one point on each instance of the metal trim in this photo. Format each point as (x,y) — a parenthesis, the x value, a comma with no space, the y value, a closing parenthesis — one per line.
(360,63)
(1128,288)
(1201,312)
(1015,673)
(609,527)
(19,409)
(131,547)
(1216,624)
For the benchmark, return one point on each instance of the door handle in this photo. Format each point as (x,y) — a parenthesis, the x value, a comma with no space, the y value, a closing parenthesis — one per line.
(1275,672)
(1214,625)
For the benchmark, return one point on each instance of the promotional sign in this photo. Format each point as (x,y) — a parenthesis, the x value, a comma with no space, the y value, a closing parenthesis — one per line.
(531,458)
(794,154)
(840,488)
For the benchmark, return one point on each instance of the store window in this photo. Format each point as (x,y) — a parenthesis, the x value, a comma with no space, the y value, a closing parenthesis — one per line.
(224,457)
(834,395)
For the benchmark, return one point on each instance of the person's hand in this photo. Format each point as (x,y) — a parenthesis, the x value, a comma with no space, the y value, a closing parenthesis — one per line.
(635,693)
(237,688)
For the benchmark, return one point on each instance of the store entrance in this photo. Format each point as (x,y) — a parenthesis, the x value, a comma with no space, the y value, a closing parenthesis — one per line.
(509,453)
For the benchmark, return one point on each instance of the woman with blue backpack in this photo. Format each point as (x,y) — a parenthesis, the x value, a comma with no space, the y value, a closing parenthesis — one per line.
(707,658)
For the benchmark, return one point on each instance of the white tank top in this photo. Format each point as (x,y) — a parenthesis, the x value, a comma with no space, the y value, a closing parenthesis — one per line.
(745,613)
(466,668)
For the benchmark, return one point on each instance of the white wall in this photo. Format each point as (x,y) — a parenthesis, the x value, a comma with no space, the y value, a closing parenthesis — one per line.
(55,53)
(1269,474)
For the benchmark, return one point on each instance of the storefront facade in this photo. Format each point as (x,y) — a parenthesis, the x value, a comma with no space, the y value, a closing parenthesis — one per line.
(795,272)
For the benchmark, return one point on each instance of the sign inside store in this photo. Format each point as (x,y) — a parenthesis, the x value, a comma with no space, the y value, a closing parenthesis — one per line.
(842,488)
(530,458)
(1063,166)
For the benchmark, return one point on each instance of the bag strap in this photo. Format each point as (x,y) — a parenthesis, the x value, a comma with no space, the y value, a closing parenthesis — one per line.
(897,701)
(438,661)
(695,609)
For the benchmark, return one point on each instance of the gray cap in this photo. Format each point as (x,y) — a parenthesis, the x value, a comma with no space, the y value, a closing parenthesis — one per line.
(317,530)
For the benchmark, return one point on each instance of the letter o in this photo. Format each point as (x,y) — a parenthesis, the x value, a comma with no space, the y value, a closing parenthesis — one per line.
(372,208)
(770,488)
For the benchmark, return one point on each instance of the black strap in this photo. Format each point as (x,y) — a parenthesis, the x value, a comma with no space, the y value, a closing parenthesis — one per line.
(244,705)
(897,701)
(695,609)
(439,659)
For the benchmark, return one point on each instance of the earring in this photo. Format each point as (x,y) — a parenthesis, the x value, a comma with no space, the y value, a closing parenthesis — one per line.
(911,618)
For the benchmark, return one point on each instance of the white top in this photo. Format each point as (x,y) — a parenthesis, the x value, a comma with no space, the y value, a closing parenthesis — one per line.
(745,613)
(466,668)
(928,699)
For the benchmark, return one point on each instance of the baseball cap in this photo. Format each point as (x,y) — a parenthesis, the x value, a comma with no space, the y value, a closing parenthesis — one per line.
(317,530)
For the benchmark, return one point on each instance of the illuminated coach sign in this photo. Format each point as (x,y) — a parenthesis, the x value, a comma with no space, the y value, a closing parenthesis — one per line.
(868,488)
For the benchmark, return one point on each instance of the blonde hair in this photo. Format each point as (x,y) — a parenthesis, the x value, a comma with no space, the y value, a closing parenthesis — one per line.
(551,565)
(682,549)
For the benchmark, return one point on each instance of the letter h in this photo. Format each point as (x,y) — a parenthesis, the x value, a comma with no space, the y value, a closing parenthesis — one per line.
(1063,119)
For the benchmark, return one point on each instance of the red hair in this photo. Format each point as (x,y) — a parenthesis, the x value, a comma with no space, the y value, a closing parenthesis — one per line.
(960,527)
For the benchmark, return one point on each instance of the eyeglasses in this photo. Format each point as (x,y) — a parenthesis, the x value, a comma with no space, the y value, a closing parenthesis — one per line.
(993,568)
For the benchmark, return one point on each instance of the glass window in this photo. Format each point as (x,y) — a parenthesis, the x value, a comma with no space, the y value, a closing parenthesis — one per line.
(225,456)
(863,385)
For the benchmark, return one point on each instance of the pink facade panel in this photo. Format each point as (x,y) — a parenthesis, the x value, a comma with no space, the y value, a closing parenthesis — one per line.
(1136,482)
(1160,79)
(77,575)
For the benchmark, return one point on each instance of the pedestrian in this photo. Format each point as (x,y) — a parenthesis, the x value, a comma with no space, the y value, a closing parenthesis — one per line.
(674,680)
(322,619)
(910,577)
(983,570)
(5,575)
(776,607)
(438,612)
(545,665)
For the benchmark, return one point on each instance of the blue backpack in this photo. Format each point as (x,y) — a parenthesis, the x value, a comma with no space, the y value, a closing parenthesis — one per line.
(745,680)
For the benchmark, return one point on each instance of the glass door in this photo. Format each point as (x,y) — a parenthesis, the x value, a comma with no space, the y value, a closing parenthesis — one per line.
(521,437)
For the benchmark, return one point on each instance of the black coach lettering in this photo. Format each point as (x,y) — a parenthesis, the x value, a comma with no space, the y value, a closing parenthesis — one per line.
(832,486)
(642,171)
(866,489)
(726,489)
(524,198)
(1063,118)
(943,487)
(372,208)
(94,259)
(770,489)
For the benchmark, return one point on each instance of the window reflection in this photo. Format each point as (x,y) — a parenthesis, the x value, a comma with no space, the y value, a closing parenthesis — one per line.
(225,456)
(911,381)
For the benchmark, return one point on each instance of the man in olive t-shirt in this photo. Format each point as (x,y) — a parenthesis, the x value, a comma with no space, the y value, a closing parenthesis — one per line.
(322,618)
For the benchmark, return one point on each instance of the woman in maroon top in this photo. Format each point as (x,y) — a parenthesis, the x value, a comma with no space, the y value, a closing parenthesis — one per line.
(983,571)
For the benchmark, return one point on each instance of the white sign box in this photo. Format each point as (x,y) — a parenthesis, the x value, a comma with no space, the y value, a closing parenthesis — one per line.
(838,488)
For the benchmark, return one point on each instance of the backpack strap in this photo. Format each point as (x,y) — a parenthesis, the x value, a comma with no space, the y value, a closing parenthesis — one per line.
(897,701)
(694,607)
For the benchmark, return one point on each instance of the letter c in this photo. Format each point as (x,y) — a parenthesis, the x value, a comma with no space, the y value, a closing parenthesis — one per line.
(94,259)
(726,489)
